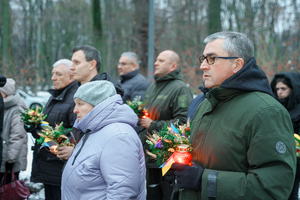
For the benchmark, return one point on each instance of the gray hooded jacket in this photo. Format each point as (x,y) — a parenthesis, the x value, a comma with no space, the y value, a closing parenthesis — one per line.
(14,135)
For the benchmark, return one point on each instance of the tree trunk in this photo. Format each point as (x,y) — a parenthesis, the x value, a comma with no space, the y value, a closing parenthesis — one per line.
(214,16)
(6,34)
(98,42)
(141,33)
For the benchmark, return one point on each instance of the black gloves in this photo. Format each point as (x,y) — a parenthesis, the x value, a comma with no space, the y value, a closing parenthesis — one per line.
(9,166)
(169,176)
(33,131)
(188,177)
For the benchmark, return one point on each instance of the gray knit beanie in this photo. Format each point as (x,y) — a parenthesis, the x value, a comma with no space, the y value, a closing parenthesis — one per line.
(95,92)
(9,87)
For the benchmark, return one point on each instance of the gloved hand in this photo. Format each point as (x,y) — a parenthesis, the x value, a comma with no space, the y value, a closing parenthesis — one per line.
(188,177)
(170,176)
(9,166)
(33,130)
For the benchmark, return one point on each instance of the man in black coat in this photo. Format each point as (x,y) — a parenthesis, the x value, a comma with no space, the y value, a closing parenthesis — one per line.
(133,83)
(2,83)
(46,167)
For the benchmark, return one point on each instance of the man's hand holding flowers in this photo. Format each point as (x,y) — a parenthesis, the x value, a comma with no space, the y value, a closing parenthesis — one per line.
(33,130)
(146,122)
(64,152)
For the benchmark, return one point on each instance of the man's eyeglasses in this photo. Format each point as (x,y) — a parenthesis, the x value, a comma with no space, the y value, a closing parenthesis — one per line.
(211,59)
(123,63)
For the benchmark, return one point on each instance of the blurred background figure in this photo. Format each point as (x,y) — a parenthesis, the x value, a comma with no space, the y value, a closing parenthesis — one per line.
(286,89)
(133,83)
(2,83)
(14,136)
(46,167)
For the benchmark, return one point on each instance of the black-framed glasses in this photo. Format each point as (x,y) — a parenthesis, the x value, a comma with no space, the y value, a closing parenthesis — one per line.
(211,59)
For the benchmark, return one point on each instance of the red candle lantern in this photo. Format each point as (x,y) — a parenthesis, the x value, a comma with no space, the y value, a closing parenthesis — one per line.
(145,114)
(182,155)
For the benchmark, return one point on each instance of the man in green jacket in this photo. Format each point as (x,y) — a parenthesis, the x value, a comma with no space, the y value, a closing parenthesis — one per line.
(167,100)
(242,138)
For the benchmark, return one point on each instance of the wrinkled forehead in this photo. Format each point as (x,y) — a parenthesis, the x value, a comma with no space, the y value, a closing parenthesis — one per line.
(62,68)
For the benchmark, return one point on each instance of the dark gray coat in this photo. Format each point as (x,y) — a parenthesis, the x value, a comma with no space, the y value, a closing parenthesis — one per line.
(134,84)
(14,136)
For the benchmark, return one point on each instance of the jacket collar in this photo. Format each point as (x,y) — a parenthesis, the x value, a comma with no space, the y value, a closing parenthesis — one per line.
(60,94)
(128,75)
(174,75)
(249,78)
(11,100)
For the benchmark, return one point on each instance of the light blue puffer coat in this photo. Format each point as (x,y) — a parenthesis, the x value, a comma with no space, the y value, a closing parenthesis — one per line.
(108,162)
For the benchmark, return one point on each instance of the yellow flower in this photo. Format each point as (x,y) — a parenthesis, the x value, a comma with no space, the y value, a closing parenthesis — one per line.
(31,112)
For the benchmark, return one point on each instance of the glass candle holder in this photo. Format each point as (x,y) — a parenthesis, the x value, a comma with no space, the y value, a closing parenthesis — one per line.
(182,155)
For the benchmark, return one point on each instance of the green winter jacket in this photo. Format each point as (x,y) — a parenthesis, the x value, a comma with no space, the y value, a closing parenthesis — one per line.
(244,141)
(167,100)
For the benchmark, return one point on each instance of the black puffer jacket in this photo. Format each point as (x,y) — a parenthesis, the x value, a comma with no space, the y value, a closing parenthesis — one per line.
(292,102)
(134,84)
(2,83)
(46,167)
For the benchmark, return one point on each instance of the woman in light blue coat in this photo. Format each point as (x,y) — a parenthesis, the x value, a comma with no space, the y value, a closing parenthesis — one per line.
(108,162)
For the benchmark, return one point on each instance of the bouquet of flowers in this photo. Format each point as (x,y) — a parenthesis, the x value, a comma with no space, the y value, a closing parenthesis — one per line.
(54,137)
(33,117)
(297,140)
(138,107)
(164,143)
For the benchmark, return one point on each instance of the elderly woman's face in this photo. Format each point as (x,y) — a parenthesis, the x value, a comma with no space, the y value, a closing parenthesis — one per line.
(82,108)
(282,90)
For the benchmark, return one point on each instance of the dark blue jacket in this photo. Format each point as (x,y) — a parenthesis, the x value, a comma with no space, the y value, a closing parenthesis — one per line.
(195,103)
(134,84)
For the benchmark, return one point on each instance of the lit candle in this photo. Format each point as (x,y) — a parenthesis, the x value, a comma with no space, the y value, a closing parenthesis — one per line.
(145,114)
(53,149)
(182,155)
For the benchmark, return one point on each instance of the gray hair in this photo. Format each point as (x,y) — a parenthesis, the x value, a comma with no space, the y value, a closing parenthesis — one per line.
(132,56)
(66,62)
(236,44)
(91,53)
